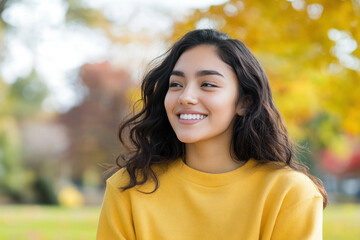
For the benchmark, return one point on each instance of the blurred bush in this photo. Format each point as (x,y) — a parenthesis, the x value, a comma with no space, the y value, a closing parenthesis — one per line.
(69,196)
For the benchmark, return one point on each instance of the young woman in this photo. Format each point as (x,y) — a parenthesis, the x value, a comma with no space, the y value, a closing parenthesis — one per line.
(210,156)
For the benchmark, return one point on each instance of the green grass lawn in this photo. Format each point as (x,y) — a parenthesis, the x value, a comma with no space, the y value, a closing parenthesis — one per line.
(342,222)
(45,223)
(58,223)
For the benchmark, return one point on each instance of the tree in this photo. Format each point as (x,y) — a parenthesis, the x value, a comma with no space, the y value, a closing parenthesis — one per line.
(19,101)
(308,49)
(92,125)
(310,52)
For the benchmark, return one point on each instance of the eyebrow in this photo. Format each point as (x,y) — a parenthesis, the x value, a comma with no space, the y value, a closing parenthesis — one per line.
(198,74)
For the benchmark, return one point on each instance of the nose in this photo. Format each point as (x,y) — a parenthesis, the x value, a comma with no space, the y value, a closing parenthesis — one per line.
(188,96)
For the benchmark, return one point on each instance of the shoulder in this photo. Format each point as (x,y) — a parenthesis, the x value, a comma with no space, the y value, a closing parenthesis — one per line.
(290,184)
(119,178)
(299,185)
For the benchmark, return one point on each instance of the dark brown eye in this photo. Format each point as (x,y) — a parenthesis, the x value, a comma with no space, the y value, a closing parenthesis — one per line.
(174,85)
(206,84)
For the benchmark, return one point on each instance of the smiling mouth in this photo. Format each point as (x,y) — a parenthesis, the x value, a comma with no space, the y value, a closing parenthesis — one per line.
(192,116)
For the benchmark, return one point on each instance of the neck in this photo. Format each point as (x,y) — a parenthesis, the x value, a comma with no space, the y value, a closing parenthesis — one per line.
(210,157)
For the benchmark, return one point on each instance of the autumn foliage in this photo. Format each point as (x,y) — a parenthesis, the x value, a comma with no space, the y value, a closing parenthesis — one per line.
(308,50)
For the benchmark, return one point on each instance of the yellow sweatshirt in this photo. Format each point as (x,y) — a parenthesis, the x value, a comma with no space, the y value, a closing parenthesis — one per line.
(248,203)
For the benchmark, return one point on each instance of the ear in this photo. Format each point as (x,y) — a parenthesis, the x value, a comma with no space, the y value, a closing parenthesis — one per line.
(243,105)
(240,110)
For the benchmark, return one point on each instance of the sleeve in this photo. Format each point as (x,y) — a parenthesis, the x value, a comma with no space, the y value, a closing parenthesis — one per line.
(115,221)
(302,221)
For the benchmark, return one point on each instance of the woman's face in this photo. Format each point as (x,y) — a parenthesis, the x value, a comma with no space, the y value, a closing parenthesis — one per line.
(202,95)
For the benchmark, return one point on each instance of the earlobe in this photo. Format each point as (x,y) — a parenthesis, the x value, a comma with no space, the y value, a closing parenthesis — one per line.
(240,111)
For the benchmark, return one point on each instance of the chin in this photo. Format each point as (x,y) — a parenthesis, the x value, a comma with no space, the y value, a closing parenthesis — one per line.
(188,139)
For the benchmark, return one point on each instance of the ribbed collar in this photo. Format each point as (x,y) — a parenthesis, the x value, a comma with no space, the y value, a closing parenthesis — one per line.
(210,179)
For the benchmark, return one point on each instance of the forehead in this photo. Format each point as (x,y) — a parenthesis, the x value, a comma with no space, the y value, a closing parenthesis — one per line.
(199,58)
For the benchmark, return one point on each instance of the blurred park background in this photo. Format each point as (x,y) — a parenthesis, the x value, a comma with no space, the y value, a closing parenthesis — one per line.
(70,71)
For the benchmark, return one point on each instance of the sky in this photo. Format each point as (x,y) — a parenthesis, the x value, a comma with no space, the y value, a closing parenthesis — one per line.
(39,39)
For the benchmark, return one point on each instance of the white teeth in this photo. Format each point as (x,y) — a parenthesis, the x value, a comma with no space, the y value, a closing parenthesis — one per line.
(192,116)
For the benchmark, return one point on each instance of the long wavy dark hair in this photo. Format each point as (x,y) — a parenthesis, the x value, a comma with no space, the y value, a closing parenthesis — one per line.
(259,134)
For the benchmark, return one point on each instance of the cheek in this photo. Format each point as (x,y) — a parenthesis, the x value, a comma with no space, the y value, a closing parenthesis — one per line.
(169,103)
(223,103)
